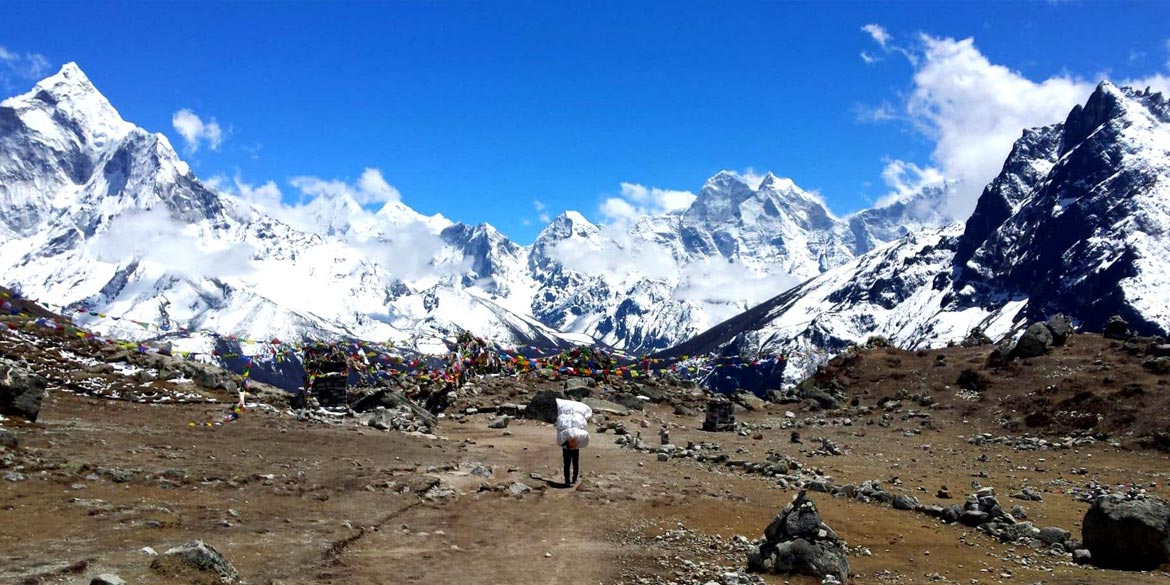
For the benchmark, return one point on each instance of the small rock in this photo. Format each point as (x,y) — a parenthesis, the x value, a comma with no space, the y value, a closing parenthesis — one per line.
(107,579)
(198,556)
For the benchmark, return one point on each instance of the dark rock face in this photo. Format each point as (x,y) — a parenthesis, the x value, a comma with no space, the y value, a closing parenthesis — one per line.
(720,416)
(797,542)
(1050,248)
(21,390)
(1132,535)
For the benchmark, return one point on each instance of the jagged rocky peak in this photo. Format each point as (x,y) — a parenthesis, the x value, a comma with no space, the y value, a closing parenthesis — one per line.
(720,197)
(569,224)
(68,98)
(729,197)
(1075,223)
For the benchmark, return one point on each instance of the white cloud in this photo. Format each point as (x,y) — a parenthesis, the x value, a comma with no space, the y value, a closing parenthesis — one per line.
(373,188)
(880,113)
(406,249)
(617,255)
(975,110)
(878,33)
(154,237)
(370,188)
(727,288)
(409,251)
(544,218)
(17,67)
(637,200)
(538,205)
(267,195)
(907,179)
(195,131)
(869,59)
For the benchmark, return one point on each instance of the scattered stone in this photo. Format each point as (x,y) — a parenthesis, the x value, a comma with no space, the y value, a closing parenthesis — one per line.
(8,439)
(904,502)
(1053,535)
(1082,556)
(107,579)
(1028,494)
(500,423)
(197,557)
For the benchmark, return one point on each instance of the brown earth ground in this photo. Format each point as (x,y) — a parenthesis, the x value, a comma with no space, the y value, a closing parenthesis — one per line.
(289,501)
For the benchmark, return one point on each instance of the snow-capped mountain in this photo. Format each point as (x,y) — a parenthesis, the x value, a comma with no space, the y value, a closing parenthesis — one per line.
(1078,221)
(101,213)
(669,277)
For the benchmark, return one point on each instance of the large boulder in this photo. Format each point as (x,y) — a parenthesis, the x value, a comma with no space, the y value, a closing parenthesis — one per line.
(1061,328)
(1035,342)
(21,390)
(606,407)
(394,400)
(749,401)
(1116,328)
(196,561)
(1127,534)
(797,542)
(543,406)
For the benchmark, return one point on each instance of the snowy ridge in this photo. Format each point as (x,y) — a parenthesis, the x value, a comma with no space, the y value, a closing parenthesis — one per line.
(105,215)
(1077,222)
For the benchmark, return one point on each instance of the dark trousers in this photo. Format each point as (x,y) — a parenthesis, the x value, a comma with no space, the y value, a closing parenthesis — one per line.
(572,457)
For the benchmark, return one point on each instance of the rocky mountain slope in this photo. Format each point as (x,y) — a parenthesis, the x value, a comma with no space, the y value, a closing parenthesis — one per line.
(1076,222)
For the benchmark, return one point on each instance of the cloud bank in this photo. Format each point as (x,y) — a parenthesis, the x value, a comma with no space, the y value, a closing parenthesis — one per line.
(972,110)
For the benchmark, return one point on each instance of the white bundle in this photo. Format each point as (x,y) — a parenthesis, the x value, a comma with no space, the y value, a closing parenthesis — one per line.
(572,421)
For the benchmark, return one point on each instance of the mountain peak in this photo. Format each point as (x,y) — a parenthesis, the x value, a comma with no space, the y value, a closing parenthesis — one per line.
(775,183)
(574,218)
(70,95)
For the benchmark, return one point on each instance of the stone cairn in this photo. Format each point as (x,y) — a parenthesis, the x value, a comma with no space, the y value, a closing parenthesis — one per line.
(720,415)
(797,542)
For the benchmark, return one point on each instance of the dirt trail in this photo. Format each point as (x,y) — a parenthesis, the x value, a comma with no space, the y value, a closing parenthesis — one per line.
(299,502)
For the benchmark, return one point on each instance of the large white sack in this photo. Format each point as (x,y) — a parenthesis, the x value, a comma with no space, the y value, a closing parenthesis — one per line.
(580,435)
(567,406)
(570,420)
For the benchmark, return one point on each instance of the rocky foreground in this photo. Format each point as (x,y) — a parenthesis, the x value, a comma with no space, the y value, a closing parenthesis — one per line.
(900,474)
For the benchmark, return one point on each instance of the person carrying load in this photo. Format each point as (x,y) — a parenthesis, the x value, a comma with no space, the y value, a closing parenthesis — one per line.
(572,434)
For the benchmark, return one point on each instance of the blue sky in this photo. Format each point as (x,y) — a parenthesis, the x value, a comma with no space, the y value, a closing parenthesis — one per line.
(480,110)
